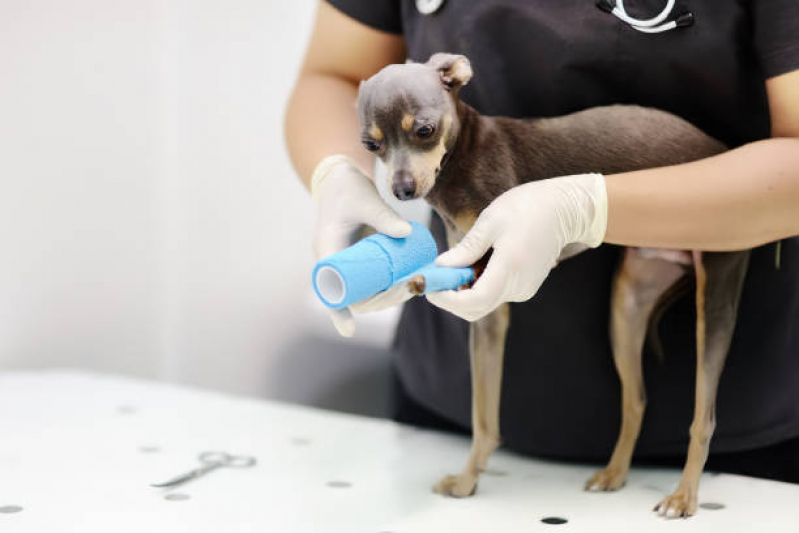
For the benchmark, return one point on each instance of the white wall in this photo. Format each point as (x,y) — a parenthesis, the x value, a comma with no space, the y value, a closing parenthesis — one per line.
(150,222)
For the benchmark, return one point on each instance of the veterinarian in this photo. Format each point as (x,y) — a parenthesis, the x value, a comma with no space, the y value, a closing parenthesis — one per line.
(733,72)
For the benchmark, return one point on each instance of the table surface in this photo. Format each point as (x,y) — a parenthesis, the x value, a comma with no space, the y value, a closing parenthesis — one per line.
(78,452)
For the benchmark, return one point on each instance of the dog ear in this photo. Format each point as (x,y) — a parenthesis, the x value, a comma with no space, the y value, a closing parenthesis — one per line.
(455,70)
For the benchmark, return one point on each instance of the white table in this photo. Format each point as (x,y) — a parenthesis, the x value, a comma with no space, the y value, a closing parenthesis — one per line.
(78,452)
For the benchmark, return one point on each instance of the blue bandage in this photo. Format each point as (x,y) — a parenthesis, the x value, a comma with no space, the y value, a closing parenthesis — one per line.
(438,278)
(377,262)
(371,265)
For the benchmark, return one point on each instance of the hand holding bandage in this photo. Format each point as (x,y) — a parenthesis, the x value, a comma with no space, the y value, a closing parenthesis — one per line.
(346,199)
(528,228)
(393,269)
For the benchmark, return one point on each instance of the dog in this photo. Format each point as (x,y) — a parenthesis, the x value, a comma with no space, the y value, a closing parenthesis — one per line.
(436,147)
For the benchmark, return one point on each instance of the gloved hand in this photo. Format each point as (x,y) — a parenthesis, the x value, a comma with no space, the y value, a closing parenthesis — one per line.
(346,198)
(528,226)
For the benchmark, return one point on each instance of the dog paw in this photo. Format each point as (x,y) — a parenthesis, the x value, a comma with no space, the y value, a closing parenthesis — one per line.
(681,504)
(606,480)
(460,486)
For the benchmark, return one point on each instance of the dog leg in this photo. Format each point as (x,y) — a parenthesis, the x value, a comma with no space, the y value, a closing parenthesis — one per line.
(637,286)
(719,281)
(487,346)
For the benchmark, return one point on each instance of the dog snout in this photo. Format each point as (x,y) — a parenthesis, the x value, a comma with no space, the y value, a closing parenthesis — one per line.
(403,185)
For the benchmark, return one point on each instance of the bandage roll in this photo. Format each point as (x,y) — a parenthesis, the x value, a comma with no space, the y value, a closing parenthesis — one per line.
(371,265)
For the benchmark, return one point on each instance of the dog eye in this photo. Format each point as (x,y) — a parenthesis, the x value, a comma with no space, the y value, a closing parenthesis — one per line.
(425,131)
(371,145)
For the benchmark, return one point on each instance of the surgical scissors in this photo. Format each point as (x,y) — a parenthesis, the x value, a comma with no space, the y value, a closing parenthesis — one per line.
(210,461)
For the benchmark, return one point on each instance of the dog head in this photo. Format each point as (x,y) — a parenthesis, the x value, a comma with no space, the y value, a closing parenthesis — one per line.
(409,119)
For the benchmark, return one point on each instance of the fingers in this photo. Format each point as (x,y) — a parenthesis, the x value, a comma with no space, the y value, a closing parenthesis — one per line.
(343,321)
(475,303)
(474,245)
(385,220)
(347,199)
(393,296)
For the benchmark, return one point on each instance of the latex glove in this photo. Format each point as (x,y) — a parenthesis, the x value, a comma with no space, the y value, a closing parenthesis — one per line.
(346,199)
(528,226)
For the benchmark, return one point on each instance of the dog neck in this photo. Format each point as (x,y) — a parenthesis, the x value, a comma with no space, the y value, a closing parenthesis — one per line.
(485,160)
(445,196)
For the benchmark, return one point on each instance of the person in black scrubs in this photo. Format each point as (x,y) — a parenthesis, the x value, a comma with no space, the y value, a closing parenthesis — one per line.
(733,72)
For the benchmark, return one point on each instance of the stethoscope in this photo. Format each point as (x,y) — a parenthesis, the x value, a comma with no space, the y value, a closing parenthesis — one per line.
(653,25)
(614,7)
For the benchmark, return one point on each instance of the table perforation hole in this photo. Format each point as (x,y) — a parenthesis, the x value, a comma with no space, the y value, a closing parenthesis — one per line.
(149,449)
(712,506)
(177,497)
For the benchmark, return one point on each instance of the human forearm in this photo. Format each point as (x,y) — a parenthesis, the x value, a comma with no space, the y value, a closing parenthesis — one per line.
(321,117)
(321,120)
(740,199)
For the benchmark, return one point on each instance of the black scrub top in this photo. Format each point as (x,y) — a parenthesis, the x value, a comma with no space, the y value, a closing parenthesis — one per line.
(560,392)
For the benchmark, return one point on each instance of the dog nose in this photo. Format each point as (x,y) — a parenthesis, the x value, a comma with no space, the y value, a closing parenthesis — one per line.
(404,186)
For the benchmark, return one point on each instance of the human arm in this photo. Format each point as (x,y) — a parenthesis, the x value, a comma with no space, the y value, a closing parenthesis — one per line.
(739,199)
(321,118)
(322,132)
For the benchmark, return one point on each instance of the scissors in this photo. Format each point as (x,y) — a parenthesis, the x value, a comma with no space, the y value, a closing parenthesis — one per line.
(210,461)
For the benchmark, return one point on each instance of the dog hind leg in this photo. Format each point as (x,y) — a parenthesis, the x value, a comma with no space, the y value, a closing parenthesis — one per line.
(637,286)
(720,278)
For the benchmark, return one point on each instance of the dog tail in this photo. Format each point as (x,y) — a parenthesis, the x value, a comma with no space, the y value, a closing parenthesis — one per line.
(680,288)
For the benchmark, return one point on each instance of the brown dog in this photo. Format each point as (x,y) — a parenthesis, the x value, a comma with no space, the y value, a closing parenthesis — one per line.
(439,148)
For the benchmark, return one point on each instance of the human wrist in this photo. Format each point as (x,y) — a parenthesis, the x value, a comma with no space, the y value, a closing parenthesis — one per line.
(325,168)
(585,208)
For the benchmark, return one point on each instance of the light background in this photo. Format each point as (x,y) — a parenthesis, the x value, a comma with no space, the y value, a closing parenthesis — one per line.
(150,221)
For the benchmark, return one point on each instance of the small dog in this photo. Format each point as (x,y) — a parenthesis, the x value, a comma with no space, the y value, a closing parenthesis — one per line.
(437,147)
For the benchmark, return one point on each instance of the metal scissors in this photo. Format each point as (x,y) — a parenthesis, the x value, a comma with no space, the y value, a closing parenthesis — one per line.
(210,461)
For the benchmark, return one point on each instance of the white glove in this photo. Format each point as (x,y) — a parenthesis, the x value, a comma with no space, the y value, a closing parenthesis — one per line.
(346,199)
(528,227)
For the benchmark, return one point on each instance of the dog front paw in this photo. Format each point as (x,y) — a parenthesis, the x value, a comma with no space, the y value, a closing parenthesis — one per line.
(460,486)
(607,480)
(681,504)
